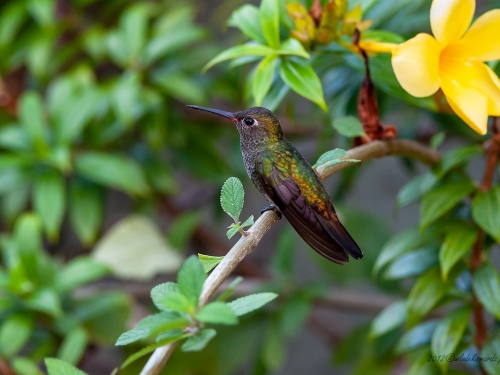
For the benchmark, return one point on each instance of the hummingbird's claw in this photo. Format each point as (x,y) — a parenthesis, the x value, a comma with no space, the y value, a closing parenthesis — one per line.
(272,208)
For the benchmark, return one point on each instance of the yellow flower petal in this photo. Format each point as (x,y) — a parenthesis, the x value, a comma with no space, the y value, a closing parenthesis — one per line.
(482,41)
(377,47)
(469,104)
(416,65)
(450,19)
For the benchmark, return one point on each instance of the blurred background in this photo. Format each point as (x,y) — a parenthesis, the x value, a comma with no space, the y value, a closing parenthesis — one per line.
(102,163)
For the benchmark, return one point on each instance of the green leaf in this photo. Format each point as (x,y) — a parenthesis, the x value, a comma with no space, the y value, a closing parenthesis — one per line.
(457,243)
(15,332)
(263,78)
(302,79)
(80,271)
(28,237)
(294,48)
(111,170)
(248,222)
(269,20)
(43,11)
(209,262)
(59,367)
(442,199)
(485,210)
(412,263)
(170,41)
(333,157)
(132,335)
(178,302)
(73,346)
(349,126)
(13,16)
(239,51)
(247,19)
(459,156)
(46,300)
(389,318)
(233,229)
(490,350)
(437,140)
(182,228)
(49,201)
(448,334)
(133,27)
(415,188)
(244,305)
(26,366)
(199,341)
(32,119)
(230,289)
(427,292)
(232,197)
(417,337)
(191,278)
(217,313)
(160,291)
(86,205)
(486,284)
(148,349)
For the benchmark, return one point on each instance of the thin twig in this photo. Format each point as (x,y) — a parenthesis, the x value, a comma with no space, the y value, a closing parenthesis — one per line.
(246,244)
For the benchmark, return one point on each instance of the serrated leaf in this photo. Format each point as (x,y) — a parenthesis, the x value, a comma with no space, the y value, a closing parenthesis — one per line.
(269,20)
(486,284)
(448,334)
(160,291)
(199,341)
(443,198)
(389,318)
(209,262)
(302,79)
(485,210)
(239,51)
(457,243)
(58,367)
(247,19)
(232,197)
(244,305)
(191,278)
(262,79)
(131,336)
(233,229)
(49,199)
(178,302)
(349,126)
(217,313)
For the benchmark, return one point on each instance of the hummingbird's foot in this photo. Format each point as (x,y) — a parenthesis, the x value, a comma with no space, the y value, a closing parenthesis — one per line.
(272,208)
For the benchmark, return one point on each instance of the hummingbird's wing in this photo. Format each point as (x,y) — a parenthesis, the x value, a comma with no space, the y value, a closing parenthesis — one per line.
(320,228)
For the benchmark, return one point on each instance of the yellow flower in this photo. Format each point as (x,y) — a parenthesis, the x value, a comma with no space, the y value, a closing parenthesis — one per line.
(453,59)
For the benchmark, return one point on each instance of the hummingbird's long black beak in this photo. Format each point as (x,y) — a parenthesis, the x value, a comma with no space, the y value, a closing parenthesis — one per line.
(229,115)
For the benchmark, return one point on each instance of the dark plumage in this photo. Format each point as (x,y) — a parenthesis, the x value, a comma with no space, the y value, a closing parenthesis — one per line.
(287,180)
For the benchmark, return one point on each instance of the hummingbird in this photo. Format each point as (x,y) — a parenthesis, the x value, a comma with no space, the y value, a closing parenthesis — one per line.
(289,183)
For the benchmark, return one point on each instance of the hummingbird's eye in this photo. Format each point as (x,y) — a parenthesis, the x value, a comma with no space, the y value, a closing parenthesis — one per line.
(249,121)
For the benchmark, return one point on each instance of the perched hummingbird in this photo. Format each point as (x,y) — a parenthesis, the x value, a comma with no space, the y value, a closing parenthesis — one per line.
(289,183)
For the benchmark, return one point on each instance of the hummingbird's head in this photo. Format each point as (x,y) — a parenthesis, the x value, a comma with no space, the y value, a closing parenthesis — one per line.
(254,124)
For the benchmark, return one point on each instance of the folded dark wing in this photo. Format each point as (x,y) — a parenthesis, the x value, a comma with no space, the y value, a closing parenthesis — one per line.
(322,231)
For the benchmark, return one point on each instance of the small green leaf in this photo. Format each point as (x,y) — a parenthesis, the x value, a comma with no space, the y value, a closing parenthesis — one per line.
(244,305)
(247,19)
(182,228)
(233,229)
(443,198)
(217,313)
(58,367)
(46,300)
(269,20)
(148,349)
(302,79)
(32,119)
(412,263)
(209,262)
(80,271)
(239,51)
(293,47)
(191,278)
(49,201)
(457,243)
(448,334)
(131,336)
(459,156)
(26,366)
(427,292)
(437,140)
(248,222)
(389,318)
(232,197)
(160,291)
(349,126)
(133,28)
(199,341)
(485,210)
(115,171)
(263,78)
(417,337)
(333,157)
(73,346)
(15,332)
(491,350)
(486,284)
(230,289)
(415,188)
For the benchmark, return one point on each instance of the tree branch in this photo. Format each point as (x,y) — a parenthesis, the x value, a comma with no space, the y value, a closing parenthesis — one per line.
(246,244)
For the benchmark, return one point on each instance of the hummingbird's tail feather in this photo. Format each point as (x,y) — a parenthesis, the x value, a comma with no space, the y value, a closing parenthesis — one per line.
(335,228)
